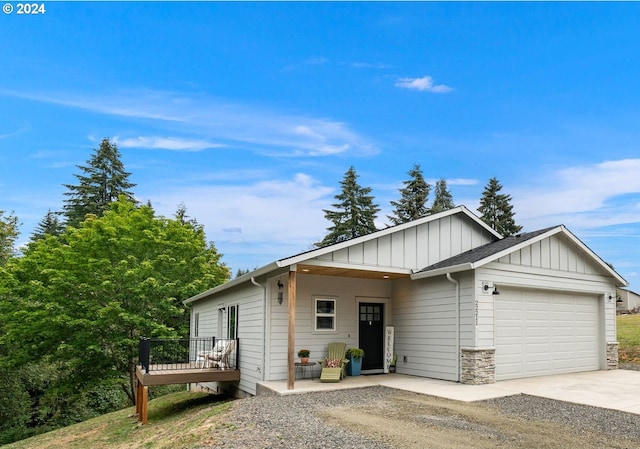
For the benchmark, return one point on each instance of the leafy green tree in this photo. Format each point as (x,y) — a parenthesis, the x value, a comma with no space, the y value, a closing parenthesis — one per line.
(102,181)
(49,225)
(414,196)
(83,301)
(442,198)
(496,209)
(8,235)
(355,214)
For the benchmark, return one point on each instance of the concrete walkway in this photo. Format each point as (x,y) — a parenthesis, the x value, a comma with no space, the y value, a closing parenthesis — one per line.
(616,389)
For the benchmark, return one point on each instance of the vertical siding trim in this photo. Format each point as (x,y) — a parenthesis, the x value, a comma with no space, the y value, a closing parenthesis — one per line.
(292,330)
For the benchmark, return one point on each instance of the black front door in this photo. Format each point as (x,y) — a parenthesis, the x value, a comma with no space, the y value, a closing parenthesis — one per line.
(372,335)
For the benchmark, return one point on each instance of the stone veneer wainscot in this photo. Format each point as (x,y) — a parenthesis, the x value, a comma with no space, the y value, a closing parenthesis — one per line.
(478,366)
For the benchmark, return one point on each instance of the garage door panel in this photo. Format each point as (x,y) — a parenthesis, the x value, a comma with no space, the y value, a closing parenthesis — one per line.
(537,367)
(540,333)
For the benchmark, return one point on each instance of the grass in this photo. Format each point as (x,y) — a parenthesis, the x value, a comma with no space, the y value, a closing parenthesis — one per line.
(177,421)
(629,338)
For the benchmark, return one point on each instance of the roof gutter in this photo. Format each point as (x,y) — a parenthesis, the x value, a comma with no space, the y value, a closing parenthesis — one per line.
(440,271)
(232,283)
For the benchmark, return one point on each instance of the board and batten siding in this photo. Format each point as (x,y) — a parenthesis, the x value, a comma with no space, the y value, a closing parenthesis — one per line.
(424,317)
(249,300)
(415,247)
(556,252)
(344,290)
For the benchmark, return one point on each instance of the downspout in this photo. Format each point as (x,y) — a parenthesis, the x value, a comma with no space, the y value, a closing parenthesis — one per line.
(264,325)
(450,279)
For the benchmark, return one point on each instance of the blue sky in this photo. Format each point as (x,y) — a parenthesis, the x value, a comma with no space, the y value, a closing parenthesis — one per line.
(251,113)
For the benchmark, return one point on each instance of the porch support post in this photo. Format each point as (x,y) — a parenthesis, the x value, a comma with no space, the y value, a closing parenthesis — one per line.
(292,329)
(144,408)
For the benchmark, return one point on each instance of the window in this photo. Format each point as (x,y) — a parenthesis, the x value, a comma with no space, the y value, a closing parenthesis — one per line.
(325,314)
(196,324)
(220,325)
(232,322)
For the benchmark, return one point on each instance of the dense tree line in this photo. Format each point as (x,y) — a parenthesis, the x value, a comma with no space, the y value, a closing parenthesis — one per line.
(355,211)
(85,289)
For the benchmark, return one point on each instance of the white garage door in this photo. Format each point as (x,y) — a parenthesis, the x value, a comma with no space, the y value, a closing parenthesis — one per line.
(539,333)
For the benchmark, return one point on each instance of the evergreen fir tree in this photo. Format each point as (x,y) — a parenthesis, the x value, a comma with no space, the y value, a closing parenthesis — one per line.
(241,272)
(102,181)
(49,225)
(355,212)
(8,235)
(442,198)
(414,196)
(496,209)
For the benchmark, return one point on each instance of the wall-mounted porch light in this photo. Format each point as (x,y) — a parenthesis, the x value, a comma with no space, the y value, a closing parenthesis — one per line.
(487,286)
(280,292)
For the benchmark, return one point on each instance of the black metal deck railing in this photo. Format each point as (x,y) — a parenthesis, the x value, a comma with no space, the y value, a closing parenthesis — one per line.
(187,353)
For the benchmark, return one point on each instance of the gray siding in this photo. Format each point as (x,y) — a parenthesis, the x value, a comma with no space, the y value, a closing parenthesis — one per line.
(345,290)
(249,300)
(467,308)
(424,316)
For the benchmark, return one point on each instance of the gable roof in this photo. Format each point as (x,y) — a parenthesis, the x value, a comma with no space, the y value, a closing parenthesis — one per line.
(298,258)
(490,252)
(282,264)
(475,255)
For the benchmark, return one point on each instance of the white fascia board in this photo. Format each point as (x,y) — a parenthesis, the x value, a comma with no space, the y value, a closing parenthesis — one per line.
(442,271)
(486,260)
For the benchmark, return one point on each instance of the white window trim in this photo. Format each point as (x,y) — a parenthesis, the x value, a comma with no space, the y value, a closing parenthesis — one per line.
(316,315)
(196,324)
(232,335)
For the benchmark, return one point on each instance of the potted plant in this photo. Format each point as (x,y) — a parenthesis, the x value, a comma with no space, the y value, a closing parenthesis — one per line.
(304,355)
(355,356)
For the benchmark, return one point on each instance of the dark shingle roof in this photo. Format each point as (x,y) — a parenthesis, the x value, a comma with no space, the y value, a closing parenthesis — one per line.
(484,251)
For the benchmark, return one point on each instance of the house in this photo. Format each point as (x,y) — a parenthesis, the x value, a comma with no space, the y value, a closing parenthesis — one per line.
(462,303)
(627,300)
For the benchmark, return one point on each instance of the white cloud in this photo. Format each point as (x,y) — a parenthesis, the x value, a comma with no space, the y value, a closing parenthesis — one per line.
(14,133)
(268,219)
(586,196)
(457,182)
(317,60)
(369,65)
(259,129)
(423,84)
(165,143)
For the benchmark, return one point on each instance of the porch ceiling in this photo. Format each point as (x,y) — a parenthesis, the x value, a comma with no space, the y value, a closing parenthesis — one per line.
(349,272)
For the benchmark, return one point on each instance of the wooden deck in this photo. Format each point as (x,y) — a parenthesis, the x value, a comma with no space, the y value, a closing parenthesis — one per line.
(167,375)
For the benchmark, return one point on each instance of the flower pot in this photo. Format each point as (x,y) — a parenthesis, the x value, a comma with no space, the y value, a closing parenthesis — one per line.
(354,366)
(304,360)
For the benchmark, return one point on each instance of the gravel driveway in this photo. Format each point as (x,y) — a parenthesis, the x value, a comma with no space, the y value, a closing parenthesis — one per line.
(383,418)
